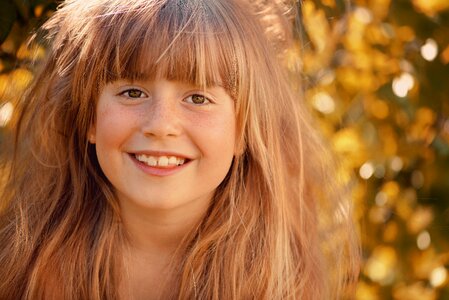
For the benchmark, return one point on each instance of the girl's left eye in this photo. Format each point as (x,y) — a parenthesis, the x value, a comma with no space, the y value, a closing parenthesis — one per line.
(197,99)
(134,93)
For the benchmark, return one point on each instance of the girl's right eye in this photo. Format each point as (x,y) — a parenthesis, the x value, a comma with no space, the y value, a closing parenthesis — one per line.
(134,94)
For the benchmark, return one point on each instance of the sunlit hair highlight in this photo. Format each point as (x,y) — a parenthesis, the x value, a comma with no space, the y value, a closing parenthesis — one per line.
(263,235)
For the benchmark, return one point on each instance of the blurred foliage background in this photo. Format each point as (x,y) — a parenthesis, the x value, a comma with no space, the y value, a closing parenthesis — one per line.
(377,77)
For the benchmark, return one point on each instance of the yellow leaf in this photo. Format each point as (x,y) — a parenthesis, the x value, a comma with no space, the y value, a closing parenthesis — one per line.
(405,33)
(38,10)
(20,79)
(391,232)
(348,143)
(33,52)
(415,291)
(422,129)
(420,219)
(12,85)
(380,267)
(329,3)
(424,262)
(445,56)
(366,292)
(378,108)
(316,25)
(380,8)
(431,7)
(4,84)
(356,81)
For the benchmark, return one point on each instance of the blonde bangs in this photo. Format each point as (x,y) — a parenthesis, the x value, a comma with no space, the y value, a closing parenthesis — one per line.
(178,41)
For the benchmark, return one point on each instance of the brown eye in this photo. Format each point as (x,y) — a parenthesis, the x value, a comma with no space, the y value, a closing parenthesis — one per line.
(197,99)
(134,93)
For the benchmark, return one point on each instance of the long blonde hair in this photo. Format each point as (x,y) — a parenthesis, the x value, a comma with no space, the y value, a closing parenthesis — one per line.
(263,236)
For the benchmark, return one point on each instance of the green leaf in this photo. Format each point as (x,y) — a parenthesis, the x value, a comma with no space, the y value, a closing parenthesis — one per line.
(8,15)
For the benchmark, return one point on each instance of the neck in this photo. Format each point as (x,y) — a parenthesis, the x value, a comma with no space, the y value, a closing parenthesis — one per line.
(159,231)
(153,246)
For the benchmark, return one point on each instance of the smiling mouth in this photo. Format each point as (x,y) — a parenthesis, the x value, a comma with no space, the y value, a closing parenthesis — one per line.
(160,161)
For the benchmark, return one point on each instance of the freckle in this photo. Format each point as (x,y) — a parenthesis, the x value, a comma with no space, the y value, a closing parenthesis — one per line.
(204,121)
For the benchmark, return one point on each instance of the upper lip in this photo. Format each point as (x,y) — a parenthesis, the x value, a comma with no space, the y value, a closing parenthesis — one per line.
(160,153)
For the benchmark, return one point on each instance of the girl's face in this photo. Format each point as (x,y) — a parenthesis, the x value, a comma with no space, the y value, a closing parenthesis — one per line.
(164,144)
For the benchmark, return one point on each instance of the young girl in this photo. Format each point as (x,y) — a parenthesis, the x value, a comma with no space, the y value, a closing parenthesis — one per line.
(161,154)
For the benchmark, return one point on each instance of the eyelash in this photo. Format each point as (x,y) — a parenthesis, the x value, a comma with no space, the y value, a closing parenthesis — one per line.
(142,94)
(206,100)
(126,93)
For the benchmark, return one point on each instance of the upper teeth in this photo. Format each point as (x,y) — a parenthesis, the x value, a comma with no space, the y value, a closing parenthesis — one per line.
(162,161)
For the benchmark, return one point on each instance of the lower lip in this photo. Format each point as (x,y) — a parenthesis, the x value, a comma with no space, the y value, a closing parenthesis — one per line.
(155,171)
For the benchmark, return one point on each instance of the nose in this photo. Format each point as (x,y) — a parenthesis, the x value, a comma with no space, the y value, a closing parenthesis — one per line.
(162,119)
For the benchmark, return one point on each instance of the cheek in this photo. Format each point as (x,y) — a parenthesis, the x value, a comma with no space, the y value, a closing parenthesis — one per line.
(112,126)
(216,134)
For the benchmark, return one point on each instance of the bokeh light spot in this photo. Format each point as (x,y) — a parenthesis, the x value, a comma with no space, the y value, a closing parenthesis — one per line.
(396,164)
(423,240)
(403,84)
(429,50)
(381,199)
(366,170)
(438,276)
(380,266)
(324,103)
(363,15)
